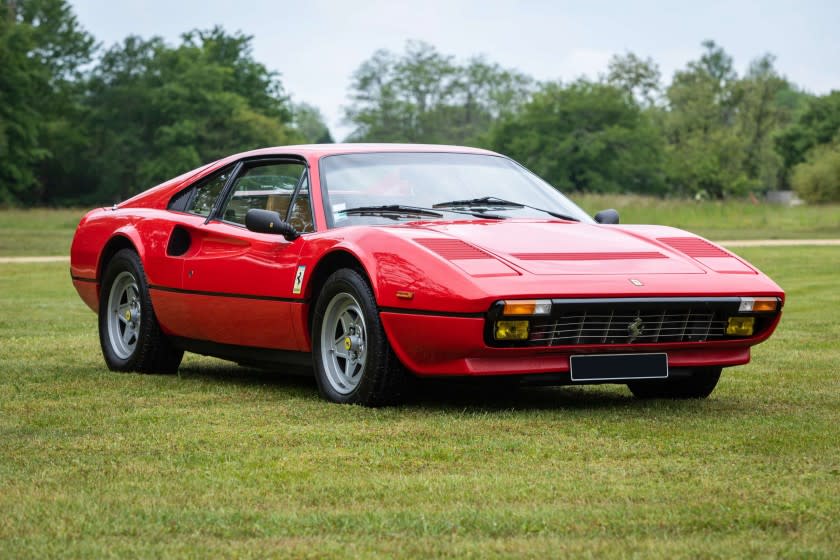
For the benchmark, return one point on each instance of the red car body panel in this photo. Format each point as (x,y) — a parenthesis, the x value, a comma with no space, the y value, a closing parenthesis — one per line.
(235,287)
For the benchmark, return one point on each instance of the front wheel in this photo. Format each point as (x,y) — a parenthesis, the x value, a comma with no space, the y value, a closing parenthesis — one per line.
(695,384)
(354,363)
(129,333)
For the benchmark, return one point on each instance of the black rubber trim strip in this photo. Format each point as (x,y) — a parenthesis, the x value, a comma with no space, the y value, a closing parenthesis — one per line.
(404,311)
(250,354)
(226,294)
(83,279)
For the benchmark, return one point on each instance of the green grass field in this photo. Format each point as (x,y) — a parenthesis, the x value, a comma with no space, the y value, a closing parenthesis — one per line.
(38,231)
(49,232)
(723,220)
(225,461)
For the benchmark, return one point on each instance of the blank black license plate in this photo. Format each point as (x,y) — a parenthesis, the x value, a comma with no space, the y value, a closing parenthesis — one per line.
(618,367)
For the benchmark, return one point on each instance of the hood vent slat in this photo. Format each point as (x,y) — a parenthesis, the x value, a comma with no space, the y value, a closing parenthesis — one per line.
(453,249)
(694,247)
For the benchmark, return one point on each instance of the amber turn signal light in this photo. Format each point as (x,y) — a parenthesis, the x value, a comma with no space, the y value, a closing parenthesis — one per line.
(527,307)
(758,304)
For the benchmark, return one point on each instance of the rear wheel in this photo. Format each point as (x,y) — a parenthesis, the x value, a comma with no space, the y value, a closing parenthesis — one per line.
(129,333)
(695,384)
(353,361)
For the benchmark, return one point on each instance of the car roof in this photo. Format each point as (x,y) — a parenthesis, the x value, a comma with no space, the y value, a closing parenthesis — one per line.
(319,150)
(159,195)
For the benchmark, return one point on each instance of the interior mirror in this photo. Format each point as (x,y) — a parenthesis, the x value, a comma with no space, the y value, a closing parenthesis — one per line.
(607,216)
(268,221)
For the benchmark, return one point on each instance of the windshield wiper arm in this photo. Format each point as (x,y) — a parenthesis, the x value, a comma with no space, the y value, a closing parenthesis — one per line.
(391,209)
(500,202)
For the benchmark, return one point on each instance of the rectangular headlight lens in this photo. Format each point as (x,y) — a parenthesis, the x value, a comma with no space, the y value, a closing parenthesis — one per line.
(740,326)
(512,330)
(527,307)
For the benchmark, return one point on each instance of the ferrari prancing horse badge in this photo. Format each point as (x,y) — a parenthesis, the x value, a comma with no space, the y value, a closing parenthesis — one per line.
(299,279)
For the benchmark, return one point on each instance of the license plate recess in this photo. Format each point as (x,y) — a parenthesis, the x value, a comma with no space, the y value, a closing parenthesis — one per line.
(618,367)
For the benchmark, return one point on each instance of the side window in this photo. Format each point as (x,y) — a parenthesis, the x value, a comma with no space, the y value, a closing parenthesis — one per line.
(207,193)
(266,187)
(301,215)
(199,198)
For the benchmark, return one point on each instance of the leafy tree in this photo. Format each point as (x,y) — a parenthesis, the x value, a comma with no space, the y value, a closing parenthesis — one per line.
(585,136)
(309,121)
(156,111)
(637,77)
(764,107)
(42,49)
(425,96)
(819,123)
(817,179)
(704,149)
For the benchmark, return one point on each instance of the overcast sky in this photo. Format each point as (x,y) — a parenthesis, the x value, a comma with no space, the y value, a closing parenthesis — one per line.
(317,44)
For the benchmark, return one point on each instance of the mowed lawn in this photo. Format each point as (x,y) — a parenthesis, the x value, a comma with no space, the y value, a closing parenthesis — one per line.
(226,461)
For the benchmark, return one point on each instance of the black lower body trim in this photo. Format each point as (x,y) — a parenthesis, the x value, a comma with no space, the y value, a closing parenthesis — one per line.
(225,294)
(247,355)
(83,279)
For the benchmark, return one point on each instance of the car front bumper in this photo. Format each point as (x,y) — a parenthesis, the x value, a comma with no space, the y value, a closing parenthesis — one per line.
(451,345)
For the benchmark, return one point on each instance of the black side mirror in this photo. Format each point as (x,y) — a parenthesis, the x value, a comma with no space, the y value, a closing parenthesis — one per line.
(268,221)
(607,216)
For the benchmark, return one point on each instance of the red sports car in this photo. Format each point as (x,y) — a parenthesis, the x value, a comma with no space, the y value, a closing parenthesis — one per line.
(377,263)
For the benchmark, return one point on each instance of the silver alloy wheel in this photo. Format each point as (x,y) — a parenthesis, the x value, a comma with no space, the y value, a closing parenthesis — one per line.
(124,315)
(343,343)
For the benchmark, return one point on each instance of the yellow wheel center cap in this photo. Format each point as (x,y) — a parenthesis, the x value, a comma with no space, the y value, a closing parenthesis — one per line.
(348,344)
(128,314)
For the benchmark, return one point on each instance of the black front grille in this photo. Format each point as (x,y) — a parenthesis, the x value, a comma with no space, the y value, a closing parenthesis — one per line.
(623,326)
(629,321)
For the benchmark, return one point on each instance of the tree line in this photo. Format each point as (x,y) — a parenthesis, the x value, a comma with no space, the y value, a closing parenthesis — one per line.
(707,133)
(82,124)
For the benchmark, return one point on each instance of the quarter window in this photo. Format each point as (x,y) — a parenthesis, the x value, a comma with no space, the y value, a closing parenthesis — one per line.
(201,198)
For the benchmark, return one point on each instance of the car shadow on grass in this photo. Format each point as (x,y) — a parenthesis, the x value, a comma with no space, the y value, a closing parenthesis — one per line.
(298,382)
(454,395)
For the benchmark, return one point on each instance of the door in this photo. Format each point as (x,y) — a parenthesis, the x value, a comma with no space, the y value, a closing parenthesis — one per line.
(237,285)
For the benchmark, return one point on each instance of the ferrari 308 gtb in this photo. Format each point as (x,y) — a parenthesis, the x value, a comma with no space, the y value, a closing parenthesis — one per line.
(373,264)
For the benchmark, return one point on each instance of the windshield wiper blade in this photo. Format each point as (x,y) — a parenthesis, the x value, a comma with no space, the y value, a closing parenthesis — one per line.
(483,201)
(500,202)
(391,209)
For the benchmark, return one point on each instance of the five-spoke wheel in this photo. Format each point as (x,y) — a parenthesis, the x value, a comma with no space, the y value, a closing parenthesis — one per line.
(343,343)
(353,361)
(129,333)
(124,315)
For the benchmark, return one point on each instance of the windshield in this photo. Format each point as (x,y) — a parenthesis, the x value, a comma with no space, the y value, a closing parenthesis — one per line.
(381,188)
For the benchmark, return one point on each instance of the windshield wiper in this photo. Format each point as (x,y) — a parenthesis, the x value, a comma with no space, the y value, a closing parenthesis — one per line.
(394,209)
(499,202)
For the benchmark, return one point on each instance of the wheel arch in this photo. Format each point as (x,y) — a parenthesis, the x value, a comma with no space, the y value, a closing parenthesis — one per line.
(335,260)
(119,241)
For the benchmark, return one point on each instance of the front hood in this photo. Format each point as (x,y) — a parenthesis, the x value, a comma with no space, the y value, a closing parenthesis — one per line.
(553,247)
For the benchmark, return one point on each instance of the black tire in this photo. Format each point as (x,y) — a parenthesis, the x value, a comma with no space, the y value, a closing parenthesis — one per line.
(147,349)
(380,378)
(695,384)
